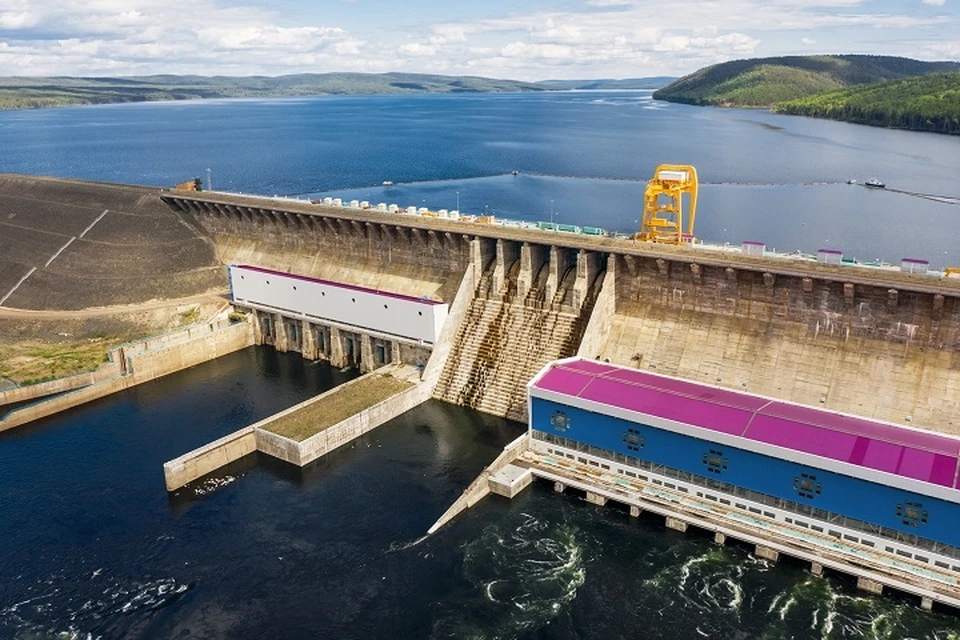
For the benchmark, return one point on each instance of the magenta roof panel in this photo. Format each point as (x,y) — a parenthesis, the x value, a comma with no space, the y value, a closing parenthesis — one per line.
(341,285)
(925,456)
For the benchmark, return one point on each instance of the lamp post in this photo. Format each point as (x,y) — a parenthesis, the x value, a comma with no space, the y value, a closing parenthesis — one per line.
(209,182)
(551,210)
(458,201)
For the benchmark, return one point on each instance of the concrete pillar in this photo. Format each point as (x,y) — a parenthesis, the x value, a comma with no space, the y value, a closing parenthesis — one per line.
(481,252)
(816,568)
(588,266)
(280,333)
(720,538)
(676,524)
(367,362)
(395,352)
(634,512)
(257,327)
(557,267)
(532,258)
(308,341)
(596,498)
(870,586)
(558,487)
(926,604)
(766,553)
(506,256)
(337,356)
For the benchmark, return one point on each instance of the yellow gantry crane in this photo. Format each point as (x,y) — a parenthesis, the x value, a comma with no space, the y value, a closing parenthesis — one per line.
(663,215)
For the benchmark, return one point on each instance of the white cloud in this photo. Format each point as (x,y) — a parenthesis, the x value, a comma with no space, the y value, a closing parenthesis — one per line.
(934,3)
(614,38)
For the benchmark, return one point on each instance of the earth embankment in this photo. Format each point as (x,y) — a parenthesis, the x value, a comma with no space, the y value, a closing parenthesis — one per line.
(67,244)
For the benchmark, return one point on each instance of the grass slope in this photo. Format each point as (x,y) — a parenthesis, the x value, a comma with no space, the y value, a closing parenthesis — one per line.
(26,92)
(926,103)
(763,82)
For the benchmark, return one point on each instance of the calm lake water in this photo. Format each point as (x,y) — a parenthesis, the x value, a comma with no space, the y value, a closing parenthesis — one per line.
(94,548)
(779,179)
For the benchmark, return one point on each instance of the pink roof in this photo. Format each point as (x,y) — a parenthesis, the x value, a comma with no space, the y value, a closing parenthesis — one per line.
(341,285)
(910,453)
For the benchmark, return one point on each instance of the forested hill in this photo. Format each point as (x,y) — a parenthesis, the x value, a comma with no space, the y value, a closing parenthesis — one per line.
(763,82)
(927,103)
(25,93)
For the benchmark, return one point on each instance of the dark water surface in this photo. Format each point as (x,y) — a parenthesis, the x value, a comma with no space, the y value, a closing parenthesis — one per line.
(92,547)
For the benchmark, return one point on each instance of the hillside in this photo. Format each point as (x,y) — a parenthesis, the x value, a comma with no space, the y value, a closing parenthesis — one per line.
(762,82)
(926,103)
(655,82)
(28,92)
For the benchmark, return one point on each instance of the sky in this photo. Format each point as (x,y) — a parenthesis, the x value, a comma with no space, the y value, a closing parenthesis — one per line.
(537,40)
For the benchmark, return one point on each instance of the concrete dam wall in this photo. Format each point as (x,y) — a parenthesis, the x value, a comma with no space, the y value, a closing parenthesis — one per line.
(867,341)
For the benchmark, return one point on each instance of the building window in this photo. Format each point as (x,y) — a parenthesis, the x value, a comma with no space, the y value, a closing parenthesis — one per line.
(912,514)
(560,421)
(806,485)
(714,461)
(633,439)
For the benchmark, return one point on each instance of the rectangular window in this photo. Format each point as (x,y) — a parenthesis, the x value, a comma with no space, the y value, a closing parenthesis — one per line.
(754,510)
(722,501)
(942,565)
(741,506)
(770,515)
(851,538)
(901,552)
(816,528)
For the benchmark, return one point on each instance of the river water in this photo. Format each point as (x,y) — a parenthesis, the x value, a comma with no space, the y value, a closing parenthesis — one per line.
(94,548)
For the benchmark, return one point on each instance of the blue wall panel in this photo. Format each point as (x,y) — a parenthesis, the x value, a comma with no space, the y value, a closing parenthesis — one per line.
(845,495)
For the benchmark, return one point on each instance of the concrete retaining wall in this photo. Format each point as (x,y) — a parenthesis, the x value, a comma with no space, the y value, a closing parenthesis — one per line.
(211,343)
(256,437)
(60,385)
(448,335)
(480,488)
(209,458)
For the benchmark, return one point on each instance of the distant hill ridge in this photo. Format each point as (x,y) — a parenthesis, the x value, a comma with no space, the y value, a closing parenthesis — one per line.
(28,92)
(763,82)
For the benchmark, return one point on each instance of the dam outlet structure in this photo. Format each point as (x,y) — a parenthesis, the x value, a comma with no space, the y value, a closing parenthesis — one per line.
(472,312)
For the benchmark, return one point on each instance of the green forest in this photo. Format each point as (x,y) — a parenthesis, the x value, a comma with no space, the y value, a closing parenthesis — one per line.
(926,103)
(763,82)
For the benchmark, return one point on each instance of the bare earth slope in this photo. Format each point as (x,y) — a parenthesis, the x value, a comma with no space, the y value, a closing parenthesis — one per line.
(72,245)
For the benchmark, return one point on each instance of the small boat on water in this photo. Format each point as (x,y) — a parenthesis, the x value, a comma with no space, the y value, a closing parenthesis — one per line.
(388,183)
(874,184)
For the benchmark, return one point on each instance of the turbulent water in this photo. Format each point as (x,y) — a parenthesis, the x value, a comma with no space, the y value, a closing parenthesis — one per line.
(94,548)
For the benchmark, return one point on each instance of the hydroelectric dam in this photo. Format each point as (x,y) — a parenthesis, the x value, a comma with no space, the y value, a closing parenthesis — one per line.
(729,346)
